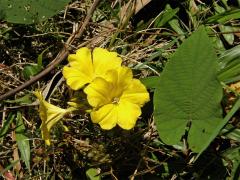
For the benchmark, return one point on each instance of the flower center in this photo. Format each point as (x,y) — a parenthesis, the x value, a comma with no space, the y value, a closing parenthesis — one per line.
(115,100)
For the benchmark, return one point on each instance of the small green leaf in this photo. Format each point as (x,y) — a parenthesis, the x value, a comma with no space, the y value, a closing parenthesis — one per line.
(229,37)
(167,15)
(22,140)
(92,174)
(31,70)
(6,124)
(228,56)
(229,65)
(224,17)
(22,100)
(189,94)
(233,155)
(40,57)
(174,23)
(230,74)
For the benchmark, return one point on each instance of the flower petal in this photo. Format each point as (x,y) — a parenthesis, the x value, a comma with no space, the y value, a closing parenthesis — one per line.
(120,76)
(98,92)
(103,60)
(49,115)
(128,114)
(120,79)
(76,78)
(82,57)
(106,116)
(45,134)
(80,71)
(136,93)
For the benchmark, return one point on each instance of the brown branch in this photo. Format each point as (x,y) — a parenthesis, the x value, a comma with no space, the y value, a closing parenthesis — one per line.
(60,57)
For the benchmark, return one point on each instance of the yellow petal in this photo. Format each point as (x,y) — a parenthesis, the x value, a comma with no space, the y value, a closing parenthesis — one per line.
(98,92)
(120,76)
(128,114)
(136,93)
(106,116)
(82,57)
(80,71)
(45,134)
(65,128)
(75,78)
(50,115)
(103,60)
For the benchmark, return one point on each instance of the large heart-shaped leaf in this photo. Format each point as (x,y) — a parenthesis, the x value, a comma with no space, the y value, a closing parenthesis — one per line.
(29,11)
(188,95)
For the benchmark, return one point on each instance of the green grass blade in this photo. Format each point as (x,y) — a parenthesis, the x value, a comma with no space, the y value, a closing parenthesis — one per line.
(22,141)
(6,125)
(229,65)
(224,17)
(168,14)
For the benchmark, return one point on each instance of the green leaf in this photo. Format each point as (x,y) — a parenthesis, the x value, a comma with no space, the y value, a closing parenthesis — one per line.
(229,37)
(40,56)
(6,125)
(31,70)
(92,174)
(230,73)
(217,42)
(231,132)
(228,56)
(29,11)
(22,100)
(229,65)
(168,14)
(22,140)
(174,23)
(150,82)
(233,155)
(224,17)
(189,94)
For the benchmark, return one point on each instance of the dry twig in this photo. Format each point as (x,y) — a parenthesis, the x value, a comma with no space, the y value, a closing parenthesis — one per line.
(60,57)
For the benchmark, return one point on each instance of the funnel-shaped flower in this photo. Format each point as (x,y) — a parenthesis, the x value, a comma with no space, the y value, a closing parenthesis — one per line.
(50,115)
(86,66)
(117,99)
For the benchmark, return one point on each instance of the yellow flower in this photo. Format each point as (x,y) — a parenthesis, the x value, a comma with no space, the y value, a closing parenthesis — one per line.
(117,99)
(86,66)
(50,115)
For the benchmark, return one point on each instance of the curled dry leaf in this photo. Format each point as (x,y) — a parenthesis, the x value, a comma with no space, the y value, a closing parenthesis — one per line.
(134,7)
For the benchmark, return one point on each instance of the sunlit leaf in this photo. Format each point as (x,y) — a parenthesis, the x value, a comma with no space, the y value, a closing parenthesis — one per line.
(167,15)
(189,94)
(224,17)
(22,100)
(92,174)
(29,11)
(31,70)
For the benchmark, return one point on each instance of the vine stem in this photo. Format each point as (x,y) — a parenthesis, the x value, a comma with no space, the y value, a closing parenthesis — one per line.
(62,55)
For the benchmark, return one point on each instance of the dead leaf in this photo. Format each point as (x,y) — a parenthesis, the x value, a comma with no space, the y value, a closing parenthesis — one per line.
(132,7)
